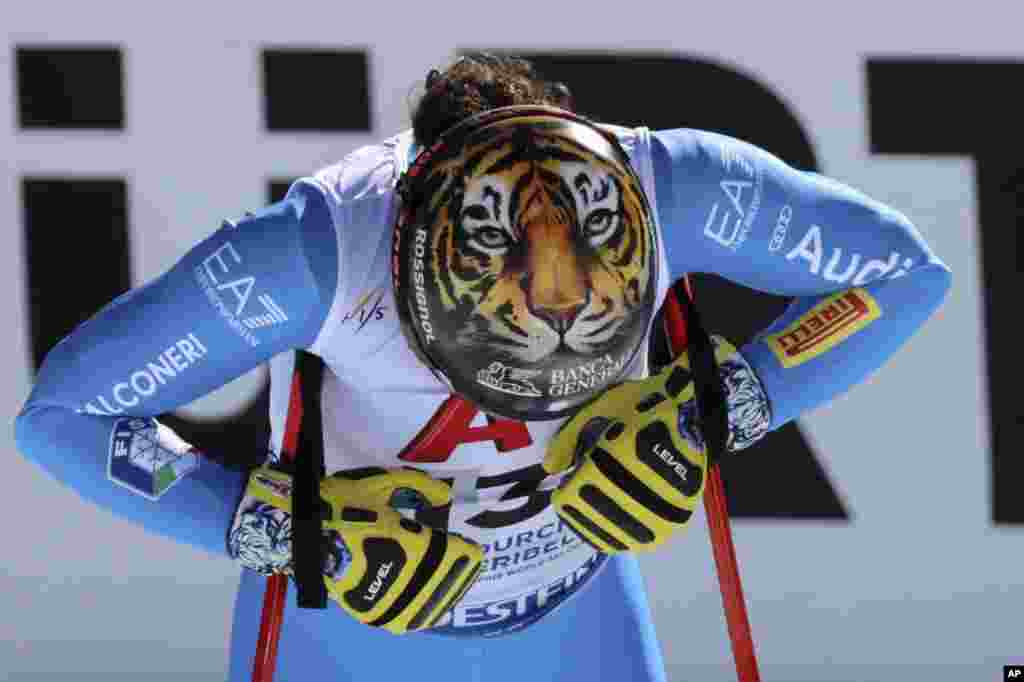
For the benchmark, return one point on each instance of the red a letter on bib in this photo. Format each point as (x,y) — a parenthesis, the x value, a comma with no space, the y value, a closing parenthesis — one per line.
(450,426)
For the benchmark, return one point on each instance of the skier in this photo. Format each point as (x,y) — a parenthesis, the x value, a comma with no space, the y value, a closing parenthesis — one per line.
(496,448)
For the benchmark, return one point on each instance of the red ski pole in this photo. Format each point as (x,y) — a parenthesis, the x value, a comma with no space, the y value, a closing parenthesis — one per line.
(265,660)
(717,512)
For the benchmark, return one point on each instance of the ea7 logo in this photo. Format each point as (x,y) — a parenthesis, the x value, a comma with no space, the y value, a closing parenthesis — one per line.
(229,291)
(729,224)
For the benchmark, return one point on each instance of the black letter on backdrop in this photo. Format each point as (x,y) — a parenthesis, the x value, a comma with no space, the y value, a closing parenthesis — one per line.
(962,108)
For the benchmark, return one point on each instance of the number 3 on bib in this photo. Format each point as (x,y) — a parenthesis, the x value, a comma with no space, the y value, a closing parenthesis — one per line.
(452,426)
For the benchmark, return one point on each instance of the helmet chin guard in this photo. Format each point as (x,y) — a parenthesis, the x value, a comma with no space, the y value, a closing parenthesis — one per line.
(524,260)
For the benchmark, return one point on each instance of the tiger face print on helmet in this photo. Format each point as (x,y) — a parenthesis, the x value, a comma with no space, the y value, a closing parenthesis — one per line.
(525,261)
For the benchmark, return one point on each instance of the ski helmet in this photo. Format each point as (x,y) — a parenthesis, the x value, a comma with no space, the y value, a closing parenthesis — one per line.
(525,260)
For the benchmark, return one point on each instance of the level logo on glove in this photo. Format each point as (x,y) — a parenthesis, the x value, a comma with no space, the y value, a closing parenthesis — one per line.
(639,459)
(384,569)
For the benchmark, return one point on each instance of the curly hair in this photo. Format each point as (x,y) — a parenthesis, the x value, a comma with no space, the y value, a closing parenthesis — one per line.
(479,82)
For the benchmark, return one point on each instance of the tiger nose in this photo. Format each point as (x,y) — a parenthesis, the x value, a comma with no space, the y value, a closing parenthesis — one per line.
(557,289)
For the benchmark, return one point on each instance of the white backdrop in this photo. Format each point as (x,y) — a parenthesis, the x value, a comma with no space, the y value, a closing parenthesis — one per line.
(920,586)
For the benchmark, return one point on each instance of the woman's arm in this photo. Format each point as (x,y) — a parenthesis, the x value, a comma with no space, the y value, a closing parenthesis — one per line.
(863,278)
(251,290)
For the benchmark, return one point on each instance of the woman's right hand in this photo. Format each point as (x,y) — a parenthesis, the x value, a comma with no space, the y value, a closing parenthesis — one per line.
(384,569)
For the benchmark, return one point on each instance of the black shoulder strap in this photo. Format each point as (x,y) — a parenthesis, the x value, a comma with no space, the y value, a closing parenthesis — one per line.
(707,384)
(307,543)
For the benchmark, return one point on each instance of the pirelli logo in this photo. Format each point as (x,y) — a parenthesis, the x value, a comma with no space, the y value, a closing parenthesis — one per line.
(824,326)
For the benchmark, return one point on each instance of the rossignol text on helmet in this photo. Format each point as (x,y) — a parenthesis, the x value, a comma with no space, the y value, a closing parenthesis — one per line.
(525,260)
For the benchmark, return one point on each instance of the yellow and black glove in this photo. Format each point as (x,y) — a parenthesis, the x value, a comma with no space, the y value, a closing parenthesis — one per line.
(640,461)
(382,568)
(404,576)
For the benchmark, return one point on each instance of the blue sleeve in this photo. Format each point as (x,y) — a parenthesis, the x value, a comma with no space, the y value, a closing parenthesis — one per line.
(862,277)
(253,289)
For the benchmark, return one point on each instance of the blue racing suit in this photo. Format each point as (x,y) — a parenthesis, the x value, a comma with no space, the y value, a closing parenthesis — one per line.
(862,278)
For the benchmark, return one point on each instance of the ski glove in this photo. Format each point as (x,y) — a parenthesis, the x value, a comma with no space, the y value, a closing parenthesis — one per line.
(637,455)
(384,569)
